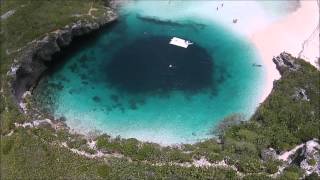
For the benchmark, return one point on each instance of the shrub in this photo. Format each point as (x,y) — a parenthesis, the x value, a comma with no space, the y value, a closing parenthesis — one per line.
(214,157)
(292,172)
(102,141)
(177,155)
(257,177)
(103,170)
(271,167)
(249,165)
(130,147)
(312,162)
(76,143)
(312,176)
(227,122)
(148,152)
(6,144)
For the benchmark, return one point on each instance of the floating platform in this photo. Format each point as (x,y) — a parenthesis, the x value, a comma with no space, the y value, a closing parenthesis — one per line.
(180,42)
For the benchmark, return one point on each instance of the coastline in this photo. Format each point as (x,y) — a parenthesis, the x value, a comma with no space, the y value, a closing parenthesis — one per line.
(301,41)
(266,52)
(281,135)
(36,56)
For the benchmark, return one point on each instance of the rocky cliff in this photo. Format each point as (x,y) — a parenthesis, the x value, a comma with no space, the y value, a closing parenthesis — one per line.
(285,62)
(31,63)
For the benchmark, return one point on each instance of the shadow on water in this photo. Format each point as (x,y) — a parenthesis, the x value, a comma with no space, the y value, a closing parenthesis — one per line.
(152,66)
(146,67)
(157,21)
(78,44)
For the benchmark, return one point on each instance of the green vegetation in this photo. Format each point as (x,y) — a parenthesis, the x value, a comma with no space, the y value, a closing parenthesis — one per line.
(312,176)
(312,162)
(26,155)
(292,172)
(32,20)
(281,122)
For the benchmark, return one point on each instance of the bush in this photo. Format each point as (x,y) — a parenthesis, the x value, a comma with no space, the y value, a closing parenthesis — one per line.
(177,155)
(271,167)
(312,176)
(214,157)
(6,144)
(249,165)
(130,147)
(257,177)
(312,162)
(76,143)
(292,172)
(103,170)
(148,152)
(227,122)
(102,141)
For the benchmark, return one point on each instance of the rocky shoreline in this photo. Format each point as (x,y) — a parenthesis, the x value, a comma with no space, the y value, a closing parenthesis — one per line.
(33,59)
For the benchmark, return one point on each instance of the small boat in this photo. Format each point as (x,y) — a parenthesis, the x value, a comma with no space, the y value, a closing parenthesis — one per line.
(180,42)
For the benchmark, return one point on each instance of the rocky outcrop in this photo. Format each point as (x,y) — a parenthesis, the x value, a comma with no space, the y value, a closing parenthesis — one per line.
(7,14)
(300,94)
(33,59)
(285,62)
(268,154)
(306,156)
(311,162)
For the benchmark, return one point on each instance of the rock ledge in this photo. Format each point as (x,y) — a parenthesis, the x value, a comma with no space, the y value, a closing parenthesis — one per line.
(31,63)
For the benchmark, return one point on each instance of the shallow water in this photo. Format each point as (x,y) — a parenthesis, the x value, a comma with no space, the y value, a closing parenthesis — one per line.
(130,81)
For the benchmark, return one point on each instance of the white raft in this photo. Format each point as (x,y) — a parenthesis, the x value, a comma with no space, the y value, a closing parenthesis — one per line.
(180,42)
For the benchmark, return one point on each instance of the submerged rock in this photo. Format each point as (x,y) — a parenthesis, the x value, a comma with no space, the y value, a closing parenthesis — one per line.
(96,99)
(83,58)
(133,104)
(73,68)
(114,98)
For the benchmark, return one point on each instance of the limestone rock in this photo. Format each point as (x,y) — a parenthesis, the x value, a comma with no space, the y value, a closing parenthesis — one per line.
(311,163)
(64,37)
(268,154)
(47,47)
(34,57)
(285,62)
(300,94)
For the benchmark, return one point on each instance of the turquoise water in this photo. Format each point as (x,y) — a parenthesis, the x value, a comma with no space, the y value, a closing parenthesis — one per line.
(121,83)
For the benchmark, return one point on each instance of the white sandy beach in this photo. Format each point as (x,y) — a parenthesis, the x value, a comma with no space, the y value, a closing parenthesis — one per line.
(264,23)
(289,34)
